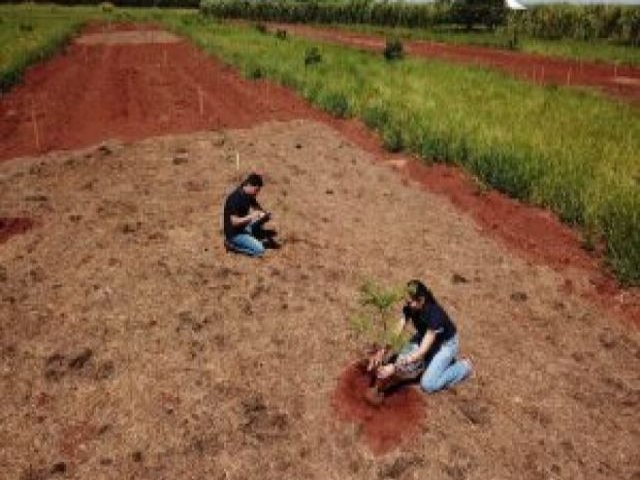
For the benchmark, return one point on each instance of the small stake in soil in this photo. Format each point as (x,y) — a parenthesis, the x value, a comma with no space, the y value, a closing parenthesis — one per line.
(35,126)
(201,101)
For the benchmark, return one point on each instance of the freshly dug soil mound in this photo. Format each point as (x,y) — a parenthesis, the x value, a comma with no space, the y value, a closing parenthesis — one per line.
(401,415)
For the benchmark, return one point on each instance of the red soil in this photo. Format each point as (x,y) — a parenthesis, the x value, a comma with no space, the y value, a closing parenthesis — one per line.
(90,93)
(400,416)
(14,226)
(620,81)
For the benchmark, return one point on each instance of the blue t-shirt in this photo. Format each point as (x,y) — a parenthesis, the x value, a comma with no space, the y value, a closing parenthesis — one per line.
(431,317)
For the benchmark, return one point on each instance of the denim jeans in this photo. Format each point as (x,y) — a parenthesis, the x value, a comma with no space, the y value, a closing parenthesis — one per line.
(247,243)
(443,371)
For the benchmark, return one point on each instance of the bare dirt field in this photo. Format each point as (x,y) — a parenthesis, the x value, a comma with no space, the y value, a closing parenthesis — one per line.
(619,81)
(133,346)
(129,90)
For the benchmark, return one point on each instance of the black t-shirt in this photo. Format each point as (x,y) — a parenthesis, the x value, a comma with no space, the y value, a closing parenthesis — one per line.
(237,204)
(431,317)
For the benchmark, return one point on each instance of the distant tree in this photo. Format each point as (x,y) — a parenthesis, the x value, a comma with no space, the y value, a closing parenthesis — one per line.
(470,13)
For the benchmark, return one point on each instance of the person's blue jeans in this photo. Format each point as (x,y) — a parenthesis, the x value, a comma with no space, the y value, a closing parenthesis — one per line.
(443,371)
(247,243)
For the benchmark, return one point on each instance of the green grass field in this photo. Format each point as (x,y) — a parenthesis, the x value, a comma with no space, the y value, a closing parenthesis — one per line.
(29,34)
(573,151)
(598,51)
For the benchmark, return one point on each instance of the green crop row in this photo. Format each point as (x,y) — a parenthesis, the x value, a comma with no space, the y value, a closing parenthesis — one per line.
(573,151)
(597,50)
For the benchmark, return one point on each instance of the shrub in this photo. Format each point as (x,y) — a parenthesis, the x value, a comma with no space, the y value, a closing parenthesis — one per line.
(281,34)
(25,27)
(312,56)
(255,72)
(470,13)
(393,50)
(106,7)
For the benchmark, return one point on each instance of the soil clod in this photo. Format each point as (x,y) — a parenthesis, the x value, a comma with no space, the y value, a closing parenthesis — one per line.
(36,198)
(519,297)
(457,278)
(79,361)
(59,468)
(14,226)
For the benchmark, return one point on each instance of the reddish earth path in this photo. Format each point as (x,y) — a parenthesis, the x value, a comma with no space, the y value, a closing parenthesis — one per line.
(91,93)
(620,81)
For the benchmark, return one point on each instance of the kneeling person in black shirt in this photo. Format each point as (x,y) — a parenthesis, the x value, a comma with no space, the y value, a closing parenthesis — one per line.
(244,219)
(432,349)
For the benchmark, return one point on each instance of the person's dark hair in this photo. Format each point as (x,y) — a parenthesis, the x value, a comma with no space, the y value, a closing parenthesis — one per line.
(418,290)
(254,180)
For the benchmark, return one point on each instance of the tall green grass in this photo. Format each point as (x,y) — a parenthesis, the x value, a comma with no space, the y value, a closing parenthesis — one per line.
(30,33)
(573,151)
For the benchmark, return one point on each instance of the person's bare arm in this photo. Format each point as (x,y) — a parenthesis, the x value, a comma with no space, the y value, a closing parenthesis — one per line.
(237,221)
(425,345)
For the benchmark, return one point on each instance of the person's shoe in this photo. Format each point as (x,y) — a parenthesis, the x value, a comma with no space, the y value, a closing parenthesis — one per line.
(271,243)
(469,364)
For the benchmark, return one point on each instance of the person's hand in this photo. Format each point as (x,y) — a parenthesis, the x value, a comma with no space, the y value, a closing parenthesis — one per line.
(375,360)
(386,371)
(255,215)
(402,361)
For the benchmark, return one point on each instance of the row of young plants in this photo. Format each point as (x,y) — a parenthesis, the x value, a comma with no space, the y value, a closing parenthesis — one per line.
(505,37)
(572,151)
(619,23)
